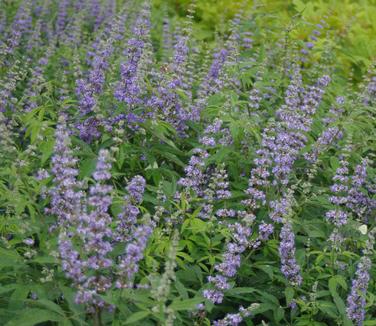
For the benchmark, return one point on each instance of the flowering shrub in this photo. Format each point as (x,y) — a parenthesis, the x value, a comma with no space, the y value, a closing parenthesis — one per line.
(156,179)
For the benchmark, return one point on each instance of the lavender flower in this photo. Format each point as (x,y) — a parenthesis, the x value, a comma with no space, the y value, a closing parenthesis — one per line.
(338,216)
(230,264)
(136,188)
(265,230)
(295,119)
(128,89)
(254,99)
(195,177)
(66,195)
(95,231)
(289,266)
(20,25)
(28,241)
(236,319)
(327,137)
(128,265)
(370,92)
(358,200)
(356,300)
(127,220)
(88,90)
(62,16)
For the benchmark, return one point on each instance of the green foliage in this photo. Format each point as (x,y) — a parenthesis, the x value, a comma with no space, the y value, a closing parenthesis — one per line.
(34,289)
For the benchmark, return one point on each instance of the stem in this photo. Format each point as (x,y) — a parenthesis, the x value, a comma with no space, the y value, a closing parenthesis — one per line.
(97,320)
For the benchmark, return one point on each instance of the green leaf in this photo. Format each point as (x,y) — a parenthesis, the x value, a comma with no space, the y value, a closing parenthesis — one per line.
(87,167)
(52,306)
(278,314)
(69,296)
(333,291)
(31,317)
(7,288)
(9,258)
(18,297)
(187,304)
(197,225)
(181,289)
(289,294)
(328,308)
(370,323)
(137,316)
(242,290)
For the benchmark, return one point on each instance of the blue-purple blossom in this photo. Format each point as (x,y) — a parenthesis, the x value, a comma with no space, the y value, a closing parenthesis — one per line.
(356,300)
(61,20)
(195,172)
(136,188)
(236,319)
(358,200)
(128,90)
(129,263)
(22,23)
(265,230)
(289,265)
(66,195)
(338,216)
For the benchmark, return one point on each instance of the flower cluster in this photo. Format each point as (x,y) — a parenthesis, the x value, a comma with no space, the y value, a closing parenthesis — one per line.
(236,319)
(339,216)
(290,267)
(356,300)
(86,238)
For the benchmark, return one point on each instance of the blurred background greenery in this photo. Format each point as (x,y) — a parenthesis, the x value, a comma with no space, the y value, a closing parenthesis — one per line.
(351,25)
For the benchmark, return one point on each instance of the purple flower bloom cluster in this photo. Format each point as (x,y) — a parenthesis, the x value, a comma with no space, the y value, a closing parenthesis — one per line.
(195,177)
(283,140)
(14,75)
(289,265)
(128,218)
(309,45)
(356,300)
(86,238)
(254,99)
(260,173)
(280,208)
(93,229)
(213,81)
(230,264)
(234,319)
(327,137)
(88,90)
(330,134)
(66,195)
(128,90)
(62,14)
(214,134)
(216,190)
(358,200)
(338,216)
(129,263)
(295,119)
(20,26)
(35,83)
(370,92)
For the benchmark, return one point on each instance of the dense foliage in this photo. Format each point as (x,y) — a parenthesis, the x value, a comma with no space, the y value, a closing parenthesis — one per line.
(154,171)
